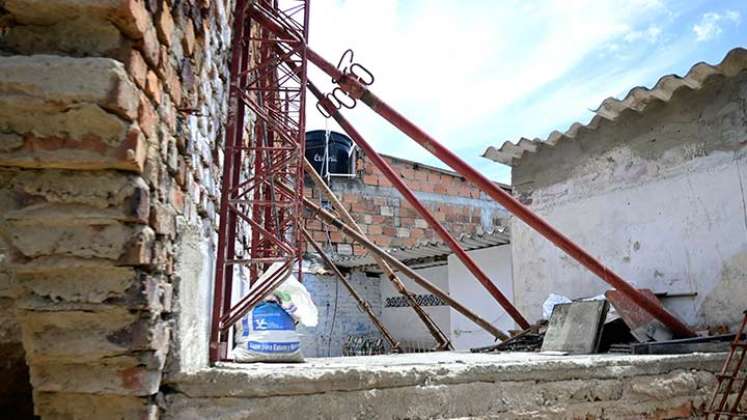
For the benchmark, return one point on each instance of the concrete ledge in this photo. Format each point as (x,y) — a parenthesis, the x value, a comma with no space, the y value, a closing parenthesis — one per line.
(449,385)
(424,369)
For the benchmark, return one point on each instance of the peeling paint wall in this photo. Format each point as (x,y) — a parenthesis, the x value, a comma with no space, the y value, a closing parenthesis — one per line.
(658,196)
(339,314)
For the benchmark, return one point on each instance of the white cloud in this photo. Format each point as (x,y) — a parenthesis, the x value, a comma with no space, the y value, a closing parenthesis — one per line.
(450,64)
(480,72)
(710,27)
(652,34)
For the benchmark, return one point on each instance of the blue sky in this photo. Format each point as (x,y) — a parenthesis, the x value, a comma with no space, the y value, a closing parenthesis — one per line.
(476,73)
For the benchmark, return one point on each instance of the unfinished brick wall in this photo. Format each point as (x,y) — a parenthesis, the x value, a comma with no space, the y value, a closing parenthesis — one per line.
(390,221)
(110,128)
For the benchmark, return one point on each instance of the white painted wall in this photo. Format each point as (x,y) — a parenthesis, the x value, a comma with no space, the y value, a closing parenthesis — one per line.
(402,322)
(658,197)
(679,234)
(339,314)
(464,287)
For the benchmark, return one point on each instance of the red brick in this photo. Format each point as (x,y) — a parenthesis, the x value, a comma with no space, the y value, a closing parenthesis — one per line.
(188,40)
(176,198)
(137,68)
(165,24)
(335,236)
(153,87)
(147,118)
(132,18)
(150,47)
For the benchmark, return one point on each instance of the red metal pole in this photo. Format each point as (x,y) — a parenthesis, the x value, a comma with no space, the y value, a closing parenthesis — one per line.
(421,209)
(217,347)
(357,90)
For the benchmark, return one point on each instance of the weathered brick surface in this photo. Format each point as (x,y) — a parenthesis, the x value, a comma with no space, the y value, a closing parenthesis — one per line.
(98,162)
(390,221)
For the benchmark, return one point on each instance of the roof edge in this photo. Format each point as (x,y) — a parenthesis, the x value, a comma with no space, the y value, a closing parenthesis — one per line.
(637,99)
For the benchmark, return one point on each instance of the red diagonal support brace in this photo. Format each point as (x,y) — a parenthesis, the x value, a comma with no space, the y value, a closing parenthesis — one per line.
(357,90)
(407,193)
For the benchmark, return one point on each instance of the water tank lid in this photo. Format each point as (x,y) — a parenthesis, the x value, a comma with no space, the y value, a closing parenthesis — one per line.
(314,136)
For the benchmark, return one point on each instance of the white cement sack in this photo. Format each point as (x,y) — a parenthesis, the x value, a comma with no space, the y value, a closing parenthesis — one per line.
(267,334)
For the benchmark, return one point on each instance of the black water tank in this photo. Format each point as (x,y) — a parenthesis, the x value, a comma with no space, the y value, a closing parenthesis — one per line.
(340,159)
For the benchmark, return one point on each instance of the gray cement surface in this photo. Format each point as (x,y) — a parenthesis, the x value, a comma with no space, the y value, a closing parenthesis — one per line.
(449,385)
(318,375)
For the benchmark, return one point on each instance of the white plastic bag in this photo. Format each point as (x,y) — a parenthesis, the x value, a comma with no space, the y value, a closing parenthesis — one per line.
(267,334)
(296,300)
(550,303)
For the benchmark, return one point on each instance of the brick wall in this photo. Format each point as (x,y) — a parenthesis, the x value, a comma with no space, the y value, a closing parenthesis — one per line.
(110,128)
(390,221)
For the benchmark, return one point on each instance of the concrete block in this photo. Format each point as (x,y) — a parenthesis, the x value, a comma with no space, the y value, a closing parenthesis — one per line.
(56,196)
(675,384)
(60,82)
(78,37)
(80,284)
(576,327)
(127,244)
(95,379)
(65,405)
(90,153)
(130,16)
(106,334)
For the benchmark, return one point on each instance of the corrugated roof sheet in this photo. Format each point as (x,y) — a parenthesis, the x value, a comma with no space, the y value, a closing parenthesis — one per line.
(430,249)
(636,100)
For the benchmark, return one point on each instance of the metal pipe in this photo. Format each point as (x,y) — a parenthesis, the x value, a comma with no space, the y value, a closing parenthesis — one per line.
(441,339)
(399,265)
(365,307)
(407,193)
(357,90)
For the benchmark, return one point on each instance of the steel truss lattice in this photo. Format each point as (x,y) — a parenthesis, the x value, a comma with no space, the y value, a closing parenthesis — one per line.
(262,185)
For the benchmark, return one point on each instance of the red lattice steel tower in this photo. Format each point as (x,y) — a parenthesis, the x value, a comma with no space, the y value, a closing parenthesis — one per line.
(262,185)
